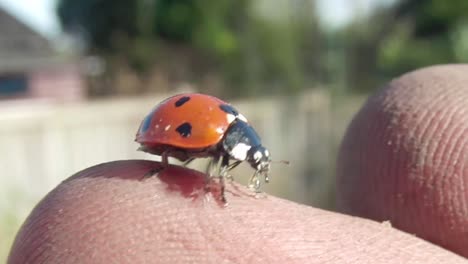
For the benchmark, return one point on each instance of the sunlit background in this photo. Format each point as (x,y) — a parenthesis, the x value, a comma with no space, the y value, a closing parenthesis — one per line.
(77,77)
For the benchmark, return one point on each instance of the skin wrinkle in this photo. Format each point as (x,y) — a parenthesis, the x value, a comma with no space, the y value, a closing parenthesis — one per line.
(39,243)
(448,135)
(430,178)
(431,149)
(388,147)
(457,153)
(423,115)
(433,157)
(392,170)
(453,180)
(372,127)
(464,170)
(376,188)
(454,152)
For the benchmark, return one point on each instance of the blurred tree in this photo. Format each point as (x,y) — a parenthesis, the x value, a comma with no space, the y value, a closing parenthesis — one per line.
(395,39)
(190,40)
(355,50)
(426,32)
(432,17)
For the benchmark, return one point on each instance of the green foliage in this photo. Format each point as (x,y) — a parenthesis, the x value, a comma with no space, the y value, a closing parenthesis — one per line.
(253,54)
(354,51)
(425,32)
(259,54)
(99,21)
(133,29)
(397,39)
(12,215)
(175,19)
(217,25)
(9,225)
(281,53)
(401,52)
(431,17)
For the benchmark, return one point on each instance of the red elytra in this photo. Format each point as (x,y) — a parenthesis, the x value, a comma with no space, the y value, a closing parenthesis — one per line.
(207,122)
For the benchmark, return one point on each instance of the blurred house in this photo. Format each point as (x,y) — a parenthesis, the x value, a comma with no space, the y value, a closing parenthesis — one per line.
(30,68)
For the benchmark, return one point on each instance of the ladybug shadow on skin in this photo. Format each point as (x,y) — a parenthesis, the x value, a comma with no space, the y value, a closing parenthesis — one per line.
(192,183)
(187,182)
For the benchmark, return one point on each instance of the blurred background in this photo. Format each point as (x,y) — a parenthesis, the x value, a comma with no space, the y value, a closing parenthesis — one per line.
(77,77)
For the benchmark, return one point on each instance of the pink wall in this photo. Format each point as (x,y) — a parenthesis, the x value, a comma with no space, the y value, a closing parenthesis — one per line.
(63,82)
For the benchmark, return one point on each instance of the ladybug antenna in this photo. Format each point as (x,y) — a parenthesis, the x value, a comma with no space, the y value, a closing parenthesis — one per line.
(285,162)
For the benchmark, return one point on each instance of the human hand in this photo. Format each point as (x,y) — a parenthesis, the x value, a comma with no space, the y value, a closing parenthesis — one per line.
(112,213)
(405,157)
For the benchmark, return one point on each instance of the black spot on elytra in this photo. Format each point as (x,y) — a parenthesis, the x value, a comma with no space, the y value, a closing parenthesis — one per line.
(182,101)
(229,109)
(185,129)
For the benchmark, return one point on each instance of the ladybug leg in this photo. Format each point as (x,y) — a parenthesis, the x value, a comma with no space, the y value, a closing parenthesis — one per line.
(223,170)
(187,162)
(152,172)
(254,182)
(211,165)
(267,178)
(209,171)
(165,159)
(164,164)
(231,167)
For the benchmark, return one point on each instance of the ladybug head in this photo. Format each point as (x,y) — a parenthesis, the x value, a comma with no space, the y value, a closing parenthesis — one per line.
(259,159)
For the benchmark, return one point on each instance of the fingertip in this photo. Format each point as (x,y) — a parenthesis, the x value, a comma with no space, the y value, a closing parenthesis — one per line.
(97,211)
(92,215)
(403,157)
(116,213)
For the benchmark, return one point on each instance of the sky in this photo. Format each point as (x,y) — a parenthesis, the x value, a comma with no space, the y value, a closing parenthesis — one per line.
(40,14)
(336,13)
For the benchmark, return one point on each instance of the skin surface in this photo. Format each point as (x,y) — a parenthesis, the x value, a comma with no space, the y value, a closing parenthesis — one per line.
(116,213)
(405,157)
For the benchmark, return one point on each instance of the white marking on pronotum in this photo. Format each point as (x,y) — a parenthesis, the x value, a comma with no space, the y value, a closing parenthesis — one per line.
(257,155)
(242,117)
(167,128)
(230,118)
(240,150)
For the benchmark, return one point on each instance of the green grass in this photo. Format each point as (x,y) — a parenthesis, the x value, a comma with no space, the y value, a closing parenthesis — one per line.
(10,222)
(11,217)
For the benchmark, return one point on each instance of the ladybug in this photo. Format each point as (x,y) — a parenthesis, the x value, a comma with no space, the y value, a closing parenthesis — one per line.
(193,125)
